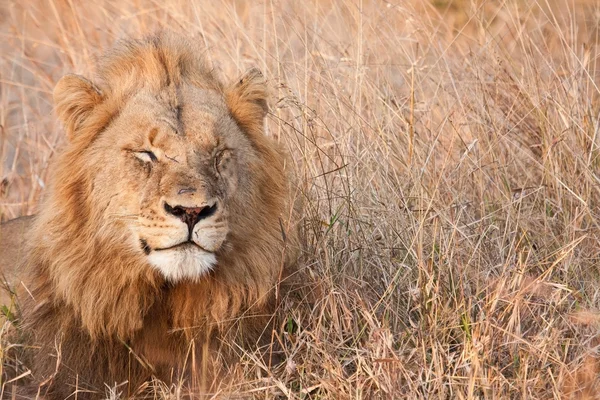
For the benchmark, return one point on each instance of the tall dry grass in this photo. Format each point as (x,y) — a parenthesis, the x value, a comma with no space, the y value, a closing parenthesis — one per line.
(448,155)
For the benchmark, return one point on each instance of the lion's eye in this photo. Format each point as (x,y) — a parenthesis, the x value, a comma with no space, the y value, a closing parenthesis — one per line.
(221,159)
(145,156)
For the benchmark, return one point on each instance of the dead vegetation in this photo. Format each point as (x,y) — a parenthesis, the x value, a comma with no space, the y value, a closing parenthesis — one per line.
(447,154)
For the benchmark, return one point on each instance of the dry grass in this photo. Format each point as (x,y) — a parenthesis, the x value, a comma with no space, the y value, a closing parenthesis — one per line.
(449,160)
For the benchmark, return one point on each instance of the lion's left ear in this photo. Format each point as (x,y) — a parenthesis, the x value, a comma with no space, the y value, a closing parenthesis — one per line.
(247,101)
(75,97)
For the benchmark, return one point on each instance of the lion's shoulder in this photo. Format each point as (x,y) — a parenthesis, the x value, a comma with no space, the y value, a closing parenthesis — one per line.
(13,236)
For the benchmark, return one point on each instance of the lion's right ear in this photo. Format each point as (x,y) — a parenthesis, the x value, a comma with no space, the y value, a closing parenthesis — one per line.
(247,101)
(74,98)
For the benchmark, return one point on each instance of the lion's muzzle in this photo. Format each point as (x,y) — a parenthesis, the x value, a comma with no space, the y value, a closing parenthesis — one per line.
(185,241)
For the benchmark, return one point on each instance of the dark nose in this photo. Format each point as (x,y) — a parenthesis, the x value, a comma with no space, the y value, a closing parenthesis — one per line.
(191,215)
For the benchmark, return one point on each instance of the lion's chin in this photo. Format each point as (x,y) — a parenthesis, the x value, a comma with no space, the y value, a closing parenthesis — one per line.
(182,262)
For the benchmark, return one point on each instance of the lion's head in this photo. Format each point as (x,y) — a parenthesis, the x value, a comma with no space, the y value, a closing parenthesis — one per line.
(172,159)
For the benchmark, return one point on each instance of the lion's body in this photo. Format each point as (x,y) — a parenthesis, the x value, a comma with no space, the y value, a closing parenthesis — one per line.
(166,219)
(12,250)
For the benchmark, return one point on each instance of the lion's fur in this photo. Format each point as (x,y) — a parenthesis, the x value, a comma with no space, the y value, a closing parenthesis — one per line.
(97,311)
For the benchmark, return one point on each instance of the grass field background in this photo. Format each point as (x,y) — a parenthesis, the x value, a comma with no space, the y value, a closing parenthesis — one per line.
(448,156)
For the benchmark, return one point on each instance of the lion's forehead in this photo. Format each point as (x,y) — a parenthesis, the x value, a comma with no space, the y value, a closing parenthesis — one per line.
(196,121)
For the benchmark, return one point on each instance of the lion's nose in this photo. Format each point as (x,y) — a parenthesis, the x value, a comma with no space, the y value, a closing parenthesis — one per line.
(191,215)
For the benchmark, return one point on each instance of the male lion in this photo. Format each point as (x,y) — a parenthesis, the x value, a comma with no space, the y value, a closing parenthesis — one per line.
(163,223)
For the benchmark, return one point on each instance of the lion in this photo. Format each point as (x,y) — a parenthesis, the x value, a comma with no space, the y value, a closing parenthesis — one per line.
(167,224)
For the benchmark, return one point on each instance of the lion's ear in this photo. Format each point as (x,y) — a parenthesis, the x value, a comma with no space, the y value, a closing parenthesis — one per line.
(74,98)
(247,100)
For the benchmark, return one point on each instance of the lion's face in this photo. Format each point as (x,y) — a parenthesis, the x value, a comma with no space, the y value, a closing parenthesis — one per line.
(170,166)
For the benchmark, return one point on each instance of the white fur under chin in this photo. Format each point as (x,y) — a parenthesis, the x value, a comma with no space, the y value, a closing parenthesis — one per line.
(180,263)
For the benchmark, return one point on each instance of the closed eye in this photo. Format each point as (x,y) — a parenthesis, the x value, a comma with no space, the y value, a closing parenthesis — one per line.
(221,158)
(146,156)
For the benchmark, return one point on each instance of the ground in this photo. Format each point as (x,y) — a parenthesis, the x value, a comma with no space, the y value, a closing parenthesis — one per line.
(448,158)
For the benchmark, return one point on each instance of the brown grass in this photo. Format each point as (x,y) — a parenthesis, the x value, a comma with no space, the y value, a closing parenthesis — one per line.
(448,154)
